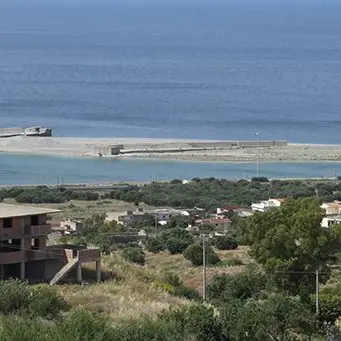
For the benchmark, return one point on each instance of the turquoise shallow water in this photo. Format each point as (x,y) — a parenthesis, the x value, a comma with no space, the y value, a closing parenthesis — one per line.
(28,169)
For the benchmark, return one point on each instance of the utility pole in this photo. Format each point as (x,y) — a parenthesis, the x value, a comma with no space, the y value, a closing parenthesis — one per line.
(257,166)
(203,268)
(155,226)
(317,299)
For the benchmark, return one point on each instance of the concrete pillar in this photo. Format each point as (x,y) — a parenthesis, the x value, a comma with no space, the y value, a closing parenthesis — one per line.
(79,272)
(2,271)
(98,270)
(22,270)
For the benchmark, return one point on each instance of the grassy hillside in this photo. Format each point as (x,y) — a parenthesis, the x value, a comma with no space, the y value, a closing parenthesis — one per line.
(134,291)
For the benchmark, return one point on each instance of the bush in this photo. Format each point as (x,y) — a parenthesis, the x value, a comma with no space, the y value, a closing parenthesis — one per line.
(194,253)
(196,322)
(40,195)
(225,243)
(45,302)
(259,179)
(242,286)
(134,255)
(175,246)
(233,262)
(186,292)
(155,245)
(14,297)
(18,297)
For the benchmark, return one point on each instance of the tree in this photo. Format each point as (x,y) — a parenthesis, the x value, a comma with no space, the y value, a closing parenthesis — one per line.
(329,308)
(134,255)
(225,243)
(277,318)
(176,245)
(194,253)
(155,245)
(291,244)
(176,240)
(251,283)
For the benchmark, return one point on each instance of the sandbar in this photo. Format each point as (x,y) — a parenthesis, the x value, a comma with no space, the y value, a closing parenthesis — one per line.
(179,149)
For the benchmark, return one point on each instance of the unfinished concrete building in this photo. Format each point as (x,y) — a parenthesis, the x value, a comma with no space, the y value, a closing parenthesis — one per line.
(24,253)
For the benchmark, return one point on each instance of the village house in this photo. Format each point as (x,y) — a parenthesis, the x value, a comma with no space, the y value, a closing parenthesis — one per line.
(69,227)
(164,214)
(332,208)
(265,205)
(128,217)
(221,224)
(331,221)
(240,211)
(24,253)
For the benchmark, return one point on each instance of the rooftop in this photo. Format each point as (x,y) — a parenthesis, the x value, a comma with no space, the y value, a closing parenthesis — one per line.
(9,211)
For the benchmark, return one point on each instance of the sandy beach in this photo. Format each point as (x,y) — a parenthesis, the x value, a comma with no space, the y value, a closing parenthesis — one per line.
(178,149)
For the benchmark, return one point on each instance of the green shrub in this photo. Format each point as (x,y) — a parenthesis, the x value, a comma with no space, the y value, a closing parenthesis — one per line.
(242,286)
(233,262)
(134,255)
(14,297)
(18,297)
(260,179)
(83,325)
(194,253)
(175,246)
(46,302)
(225,243)
(186,292)
(155,245)
(195,322)
(40,195)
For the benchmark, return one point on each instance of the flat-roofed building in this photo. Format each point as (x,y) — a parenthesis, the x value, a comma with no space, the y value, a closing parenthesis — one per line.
(24,253)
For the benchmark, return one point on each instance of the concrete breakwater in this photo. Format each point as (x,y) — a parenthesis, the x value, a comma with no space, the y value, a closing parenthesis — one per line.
(188,147)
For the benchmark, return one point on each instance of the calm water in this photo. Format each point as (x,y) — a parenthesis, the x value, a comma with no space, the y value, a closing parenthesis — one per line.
(16,169)
(193,70)
(209,71)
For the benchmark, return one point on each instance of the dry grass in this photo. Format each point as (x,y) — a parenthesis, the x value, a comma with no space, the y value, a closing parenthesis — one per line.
(192,275)
(81,209)
(130,296)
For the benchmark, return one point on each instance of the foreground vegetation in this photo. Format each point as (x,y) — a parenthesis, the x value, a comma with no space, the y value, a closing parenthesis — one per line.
(262,291)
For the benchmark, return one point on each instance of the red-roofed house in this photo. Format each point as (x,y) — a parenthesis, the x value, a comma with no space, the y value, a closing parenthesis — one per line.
(219,223)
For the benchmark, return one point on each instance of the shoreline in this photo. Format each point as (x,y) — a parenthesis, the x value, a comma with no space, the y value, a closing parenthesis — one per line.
(172,149)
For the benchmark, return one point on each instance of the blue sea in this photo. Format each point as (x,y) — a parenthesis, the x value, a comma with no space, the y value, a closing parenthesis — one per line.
(186,69)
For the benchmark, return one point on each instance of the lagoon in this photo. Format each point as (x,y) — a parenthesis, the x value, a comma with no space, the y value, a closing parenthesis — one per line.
(32,169)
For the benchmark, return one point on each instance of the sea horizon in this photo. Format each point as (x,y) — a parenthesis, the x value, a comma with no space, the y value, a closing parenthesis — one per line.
(220,71)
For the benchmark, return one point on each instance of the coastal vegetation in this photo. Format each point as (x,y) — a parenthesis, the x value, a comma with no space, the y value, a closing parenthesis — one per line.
(207,193)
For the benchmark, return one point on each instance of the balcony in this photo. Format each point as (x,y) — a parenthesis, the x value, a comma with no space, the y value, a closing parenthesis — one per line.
(39,230)
(12,257)
(89,255)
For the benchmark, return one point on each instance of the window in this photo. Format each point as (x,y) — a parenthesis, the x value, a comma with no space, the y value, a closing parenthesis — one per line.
(34,220)
(35,243)
(8,223)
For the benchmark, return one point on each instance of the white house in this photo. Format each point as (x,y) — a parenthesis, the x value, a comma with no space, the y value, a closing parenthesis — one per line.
(332,208)
(265,205)
(330,221)
(71,226)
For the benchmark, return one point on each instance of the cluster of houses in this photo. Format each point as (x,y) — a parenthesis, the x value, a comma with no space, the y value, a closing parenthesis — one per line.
(332,209)
(198,217)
